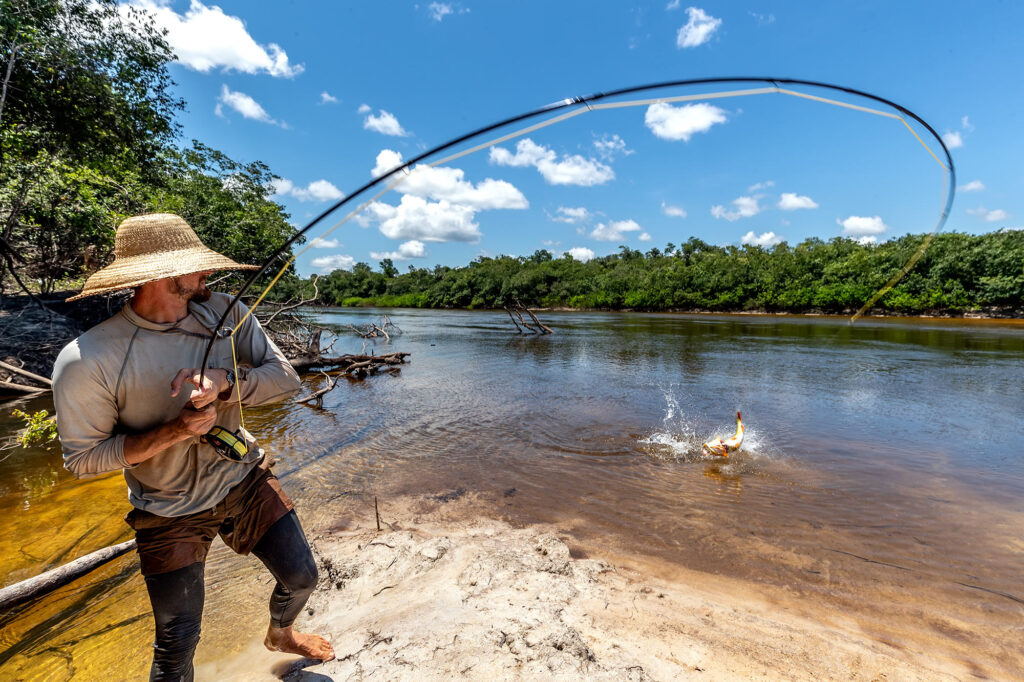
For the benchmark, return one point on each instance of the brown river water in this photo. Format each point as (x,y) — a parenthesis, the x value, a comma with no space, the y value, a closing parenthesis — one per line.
(880,489)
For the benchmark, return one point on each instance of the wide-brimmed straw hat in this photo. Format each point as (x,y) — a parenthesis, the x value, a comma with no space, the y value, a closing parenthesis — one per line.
(151,247)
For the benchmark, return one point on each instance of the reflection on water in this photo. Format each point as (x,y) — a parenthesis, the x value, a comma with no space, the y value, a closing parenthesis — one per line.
(881,474)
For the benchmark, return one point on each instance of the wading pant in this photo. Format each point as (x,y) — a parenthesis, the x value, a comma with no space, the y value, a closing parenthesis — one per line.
(177,596)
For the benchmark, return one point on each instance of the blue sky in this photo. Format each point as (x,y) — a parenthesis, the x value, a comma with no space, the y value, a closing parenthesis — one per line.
(327,93)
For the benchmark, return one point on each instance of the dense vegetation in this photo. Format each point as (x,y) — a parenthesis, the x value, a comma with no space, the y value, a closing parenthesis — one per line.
(957,272)
(88,137)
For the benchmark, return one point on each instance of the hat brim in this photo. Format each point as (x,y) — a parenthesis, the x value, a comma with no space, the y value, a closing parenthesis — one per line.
(131,272)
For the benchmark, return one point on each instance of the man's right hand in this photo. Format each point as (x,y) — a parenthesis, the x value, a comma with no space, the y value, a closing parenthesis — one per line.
(197,422)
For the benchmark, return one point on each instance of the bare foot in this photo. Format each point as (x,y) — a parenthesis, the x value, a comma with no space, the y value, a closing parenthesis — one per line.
(289,642)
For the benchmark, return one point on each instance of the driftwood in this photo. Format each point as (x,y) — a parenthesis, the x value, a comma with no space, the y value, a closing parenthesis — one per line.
(25,373)
(378,328)
(516,309)
(7,387)
(356,366)
(42,584)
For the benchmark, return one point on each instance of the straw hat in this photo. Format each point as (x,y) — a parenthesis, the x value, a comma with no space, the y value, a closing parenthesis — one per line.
(152,247)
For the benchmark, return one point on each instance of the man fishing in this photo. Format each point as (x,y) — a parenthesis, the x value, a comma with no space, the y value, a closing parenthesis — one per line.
(118,392)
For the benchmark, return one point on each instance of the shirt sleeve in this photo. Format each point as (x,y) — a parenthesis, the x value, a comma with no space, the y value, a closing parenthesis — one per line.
(86,416)
(270,376)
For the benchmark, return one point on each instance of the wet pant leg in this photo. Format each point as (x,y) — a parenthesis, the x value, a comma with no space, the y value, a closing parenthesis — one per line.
(285,552)
(177,598)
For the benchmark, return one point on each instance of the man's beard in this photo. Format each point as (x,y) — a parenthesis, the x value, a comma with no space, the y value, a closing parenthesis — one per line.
(199,294)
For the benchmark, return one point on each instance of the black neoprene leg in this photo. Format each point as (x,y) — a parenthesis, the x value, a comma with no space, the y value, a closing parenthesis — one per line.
(285,552)
(177,598)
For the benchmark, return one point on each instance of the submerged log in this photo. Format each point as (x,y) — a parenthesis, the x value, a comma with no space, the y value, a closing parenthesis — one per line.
(42,584)
(347,363)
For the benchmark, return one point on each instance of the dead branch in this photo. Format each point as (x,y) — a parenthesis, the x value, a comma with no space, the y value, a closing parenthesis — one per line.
(318,395)
(25,373)
(7,386)
(292,306)
(515,311)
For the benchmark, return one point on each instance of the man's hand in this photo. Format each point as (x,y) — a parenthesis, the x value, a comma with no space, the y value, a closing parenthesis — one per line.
(214,383)
(197,422)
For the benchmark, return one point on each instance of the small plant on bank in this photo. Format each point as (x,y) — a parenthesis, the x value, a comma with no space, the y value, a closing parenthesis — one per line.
(40,428)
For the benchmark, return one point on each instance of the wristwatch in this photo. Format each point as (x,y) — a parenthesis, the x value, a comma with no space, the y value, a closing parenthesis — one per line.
(231,380)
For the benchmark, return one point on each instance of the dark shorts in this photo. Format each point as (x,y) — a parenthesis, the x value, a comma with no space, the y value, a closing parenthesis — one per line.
(241,518)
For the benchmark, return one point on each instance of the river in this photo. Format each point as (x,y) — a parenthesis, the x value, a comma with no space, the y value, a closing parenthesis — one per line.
(880,487)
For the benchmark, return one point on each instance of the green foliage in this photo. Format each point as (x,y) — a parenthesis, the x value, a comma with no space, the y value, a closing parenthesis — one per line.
(40,428)
(958,272)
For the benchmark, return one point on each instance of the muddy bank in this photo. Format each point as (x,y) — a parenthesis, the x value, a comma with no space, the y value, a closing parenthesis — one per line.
(433,597)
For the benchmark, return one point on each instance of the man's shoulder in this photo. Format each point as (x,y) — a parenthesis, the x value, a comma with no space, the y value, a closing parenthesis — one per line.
(210,311)
(92,346)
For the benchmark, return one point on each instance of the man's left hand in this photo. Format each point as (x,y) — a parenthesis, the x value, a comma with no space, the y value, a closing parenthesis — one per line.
(215,381)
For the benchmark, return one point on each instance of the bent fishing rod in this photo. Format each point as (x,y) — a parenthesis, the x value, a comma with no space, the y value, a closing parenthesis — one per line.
(220,331)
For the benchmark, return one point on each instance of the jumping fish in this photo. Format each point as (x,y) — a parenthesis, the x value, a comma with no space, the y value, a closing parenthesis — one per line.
(722,448)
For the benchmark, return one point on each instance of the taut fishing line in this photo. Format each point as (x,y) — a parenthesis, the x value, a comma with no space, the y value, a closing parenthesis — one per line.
(577,106)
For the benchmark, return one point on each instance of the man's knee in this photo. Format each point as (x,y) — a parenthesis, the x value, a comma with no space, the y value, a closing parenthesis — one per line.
(302,580)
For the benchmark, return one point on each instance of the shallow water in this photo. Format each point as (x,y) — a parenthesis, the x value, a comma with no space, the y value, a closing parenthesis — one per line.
(879,488)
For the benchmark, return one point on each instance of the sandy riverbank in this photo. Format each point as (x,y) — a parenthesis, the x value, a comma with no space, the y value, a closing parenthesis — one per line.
(443,593)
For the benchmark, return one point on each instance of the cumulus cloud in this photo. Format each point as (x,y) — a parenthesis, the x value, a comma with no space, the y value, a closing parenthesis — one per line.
(569,170)
(411,249)
(953,139)
(327,98)
(645,237)
(318,190)
(672,5)
(439,10)
(449,184)
(758,186)
(870,239)
(608,147)
(862,226)
(205,38)
(681,123)
(614,230)
(791,201)
(698,30)
(327,264)
(417,218)
(581,253)
(966,124)
(673,211)
(987,215)
(384,123)
(364,109)
(972,186)
(745,207)
(763,239)
(244,105)
(567,214)
(321,243)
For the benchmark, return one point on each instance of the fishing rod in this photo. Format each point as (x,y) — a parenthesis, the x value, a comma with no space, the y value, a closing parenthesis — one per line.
(220,331)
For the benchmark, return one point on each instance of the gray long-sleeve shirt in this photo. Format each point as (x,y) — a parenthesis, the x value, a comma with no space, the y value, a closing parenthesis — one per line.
(115,380)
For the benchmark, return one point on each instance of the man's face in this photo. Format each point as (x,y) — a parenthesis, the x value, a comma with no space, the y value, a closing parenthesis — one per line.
(192,287)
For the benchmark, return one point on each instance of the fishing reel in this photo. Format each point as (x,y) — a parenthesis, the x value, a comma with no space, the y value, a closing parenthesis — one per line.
(227,444)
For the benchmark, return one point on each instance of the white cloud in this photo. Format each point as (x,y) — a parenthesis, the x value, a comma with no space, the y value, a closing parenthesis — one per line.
(364,109)
(672,5)
(245,105)
(571,215)
(570,170)
(746,207)
(205,38)
(987,215)
(763,239)
(763,19)
(608,147)
(416,218)
(758,186)
(972,186)
(791,201)
(698,29)
(327,98)
(681,123)
(449,184)
(320,243)
(384,123)
(862,226)
(581,253)
(318,190)
(551,242)
(411,249)
(966,124)
(614,230)
(439,10)
(644,237)
(953,139)
(673,211)
(870,239)
(327,264)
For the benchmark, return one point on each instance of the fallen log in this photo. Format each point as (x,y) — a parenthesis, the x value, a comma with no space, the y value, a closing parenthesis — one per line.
(25,373)
(343,363)
(42,584)
(7,387)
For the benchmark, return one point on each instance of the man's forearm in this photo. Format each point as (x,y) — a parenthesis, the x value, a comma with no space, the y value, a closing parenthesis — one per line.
(142,446)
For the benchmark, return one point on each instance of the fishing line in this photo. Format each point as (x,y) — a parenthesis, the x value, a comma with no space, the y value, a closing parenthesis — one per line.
(592,103)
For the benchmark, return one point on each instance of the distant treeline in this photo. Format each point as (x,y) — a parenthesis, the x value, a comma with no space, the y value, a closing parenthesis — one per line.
(958,272)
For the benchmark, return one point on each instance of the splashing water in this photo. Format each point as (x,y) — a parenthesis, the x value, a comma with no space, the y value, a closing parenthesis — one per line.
(681,436)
